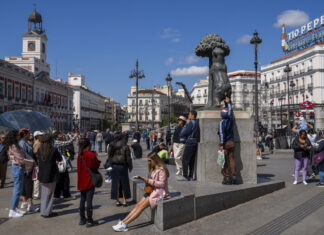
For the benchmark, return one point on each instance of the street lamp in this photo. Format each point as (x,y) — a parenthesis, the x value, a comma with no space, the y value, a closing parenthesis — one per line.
(271,106)
(138,75)
(153,109)
(256,41)
(287,70)
(168,80)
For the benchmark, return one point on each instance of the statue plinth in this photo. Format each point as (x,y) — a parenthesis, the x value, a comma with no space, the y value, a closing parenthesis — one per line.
(245,150)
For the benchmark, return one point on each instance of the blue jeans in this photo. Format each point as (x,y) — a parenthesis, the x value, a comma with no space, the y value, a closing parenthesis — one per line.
(99,146)
(321,172)
(93,145)
(18,174)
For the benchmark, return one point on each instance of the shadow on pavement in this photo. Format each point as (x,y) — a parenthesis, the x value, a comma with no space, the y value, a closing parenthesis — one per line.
(110,218)
(141,225)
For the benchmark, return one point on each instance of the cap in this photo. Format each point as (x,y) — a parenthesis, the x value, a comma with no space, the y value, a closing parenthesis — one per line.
(182,118)
(24,129)
(37,133)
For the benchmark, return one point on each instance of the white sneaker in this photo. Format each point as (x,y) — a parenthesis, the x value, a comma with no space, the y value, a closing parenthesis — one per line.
(295,182)
(32,208)
(178,173)
(20,211)
(109,169)
(305,183)
(120,227)
(24,205)
(14,214)
(108,181)
(259,158)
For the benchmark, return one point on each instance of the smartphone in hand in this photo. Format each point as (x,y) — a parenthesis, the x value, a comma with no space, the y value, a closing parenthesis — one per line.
(136,177)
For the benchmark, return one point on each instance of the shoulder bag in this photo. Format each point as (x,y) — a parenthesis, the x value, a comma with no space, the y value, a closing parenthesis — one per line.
(318,158)
(96,178)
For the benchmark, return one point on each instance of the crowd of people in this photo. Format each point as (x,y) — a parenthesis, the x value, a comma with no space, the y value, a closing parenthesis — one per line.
(41,163)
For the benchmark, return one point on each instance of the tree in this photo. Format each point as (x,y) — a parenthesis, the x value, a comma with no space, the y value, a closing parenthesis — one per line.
(208,44)
(173,119)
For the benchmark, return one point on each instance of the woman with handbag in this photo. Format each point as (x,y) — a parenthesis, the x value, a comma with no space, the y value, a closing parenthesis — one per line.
(28,185)
(19,160)
(87,161)
(301,146)
(48,174)
(156,189)
(119,157)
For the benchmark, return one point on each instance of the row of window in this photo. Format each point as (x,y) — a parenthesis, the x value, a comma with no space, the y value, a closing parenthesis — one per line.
(299,68)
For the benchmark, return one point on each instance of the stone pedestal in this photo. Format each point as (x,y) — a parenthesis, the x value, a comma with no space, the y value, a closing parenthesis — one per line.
(245,150)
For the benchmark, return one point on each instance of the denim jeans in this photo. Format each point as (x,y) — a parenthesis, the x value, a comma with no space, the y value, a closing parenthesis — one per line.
(99,146)
(18,174)
(321,172)
(93,145)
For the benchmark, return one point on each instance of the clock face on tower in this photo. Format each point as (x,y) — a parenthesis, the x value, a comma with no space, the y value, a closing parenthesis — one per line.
(31,46)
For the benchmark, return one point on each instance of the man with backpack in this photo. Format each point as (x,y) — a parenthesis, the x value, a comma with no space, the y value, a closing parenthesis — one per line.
(3,161)
(226,142)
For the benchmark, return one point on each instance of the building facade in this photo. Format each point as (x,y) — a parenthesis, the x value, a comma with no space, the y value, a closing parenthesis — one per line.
(25,81)
(91,110)
(153,105)
(306,81)
(243,90)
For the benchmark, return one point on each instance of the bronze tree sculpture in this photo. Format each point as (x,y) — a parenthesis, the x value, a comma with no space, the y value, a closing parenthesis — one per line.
(214,47)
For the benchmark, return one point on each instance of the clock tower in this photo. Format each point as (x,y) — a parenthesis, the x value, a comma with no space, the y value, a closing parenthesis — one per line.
(34,46)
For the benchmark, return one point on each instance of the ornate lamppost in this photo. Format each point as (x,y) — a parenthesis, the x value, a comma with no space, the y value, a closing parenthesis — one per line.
(256,41)
(168,80)
(138,75)
(271,106)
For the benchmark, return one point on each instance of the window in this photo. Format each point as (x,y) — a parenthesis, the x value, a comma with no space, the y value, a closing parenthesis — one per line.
(140,102)
(54,99)
(17,92)
(205,91)
(205,101)
(9,88)
(1,89)
(23,93)
(30,96)
(133,102)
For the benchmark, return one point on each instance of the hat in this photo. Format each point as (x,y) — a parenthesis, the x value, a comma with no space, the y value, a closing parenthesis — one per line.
(24,129)
(37,133)
(182,118)
(135,141)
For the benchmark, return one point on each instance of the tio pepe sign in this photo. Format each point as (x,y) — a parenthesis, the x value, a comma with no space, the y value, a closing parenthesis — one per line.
(304,36)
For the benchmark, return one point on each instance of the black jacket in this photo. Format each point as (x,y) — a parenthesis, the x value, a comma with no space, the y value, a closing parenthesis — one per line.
(299,152)
(48,170)
(137,150)
(176,134)
(120,156)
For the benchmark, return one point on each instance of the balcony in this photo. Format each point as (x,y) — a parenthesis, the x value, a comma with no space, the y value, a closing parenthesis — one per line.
(23,100)
(302,71)
(30,101)
(198,96)
(296,73)
(205,95)
(310,68)
(17,99)
(310,87)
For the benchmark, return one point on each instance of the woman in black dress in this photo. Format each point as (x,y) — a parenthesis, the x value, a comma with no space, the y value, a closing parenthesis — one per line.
(119,157)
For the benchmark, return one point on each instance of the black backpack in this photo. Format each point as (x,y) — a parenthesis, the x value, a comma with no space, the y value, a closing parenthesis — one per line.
(4,156)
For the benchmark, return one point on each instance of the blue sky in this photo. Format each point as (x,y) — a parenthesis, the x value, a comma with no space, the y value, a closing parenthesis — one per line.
(102,39)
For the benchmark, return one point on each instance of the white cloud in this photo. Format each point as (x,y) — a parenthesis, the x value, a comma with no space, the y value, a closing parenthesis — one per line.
(191,71)
(169,60)
(171,34)
(291,18)
(191,59)
(244,39)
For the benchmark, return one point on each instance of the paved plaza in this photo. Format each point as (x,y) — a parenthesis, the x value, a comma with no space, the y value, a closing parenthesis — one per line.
(296,209)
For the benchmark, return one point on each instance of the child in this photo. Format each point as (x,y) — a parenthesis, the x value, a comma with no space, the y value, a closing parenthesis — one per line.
(303,124)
